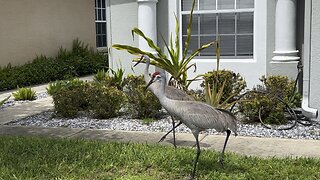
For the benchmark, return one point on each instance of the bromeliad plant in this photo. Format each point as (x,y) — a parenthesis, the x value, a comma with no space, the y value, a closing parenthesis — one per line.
(24,94)
(173,64)
(117,78)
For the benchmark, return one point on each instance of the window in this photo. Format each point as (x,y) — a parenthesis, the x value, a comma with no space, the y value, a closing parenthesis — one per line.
(101,23)
(230,20)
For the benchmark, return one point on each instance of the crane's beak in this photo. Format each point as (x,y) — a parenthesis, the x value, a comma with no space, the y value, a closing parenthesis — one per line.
(150,82)
(138,61)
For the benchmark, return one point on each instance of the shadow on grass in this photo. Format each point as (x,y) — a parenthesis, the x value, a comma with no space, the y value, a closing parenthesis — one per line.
(209,163)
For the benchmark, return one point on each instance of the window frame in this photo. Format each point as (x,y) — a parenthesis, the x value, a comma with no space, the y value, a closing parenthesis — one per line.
(101,18)
(216,12)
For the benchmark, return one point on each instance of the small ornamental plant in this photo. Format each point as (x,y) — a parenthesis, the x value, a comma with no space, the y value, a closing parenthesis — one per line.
(23,94)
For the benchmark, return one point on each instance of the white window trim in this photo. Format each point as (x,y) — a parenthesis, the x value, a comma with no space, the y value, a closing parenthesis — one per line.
(103,48)
(239,59)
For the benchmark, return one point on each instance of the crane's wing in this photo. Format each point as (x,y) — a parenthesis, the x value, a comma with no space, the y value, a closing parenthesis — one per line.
(204,116)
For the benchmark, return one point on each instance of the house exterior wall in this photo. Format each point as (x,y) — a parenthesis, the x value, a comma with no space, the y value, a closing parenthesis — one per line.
(123,18)
(35,27)
(273,67)
(315,57)
(251,69)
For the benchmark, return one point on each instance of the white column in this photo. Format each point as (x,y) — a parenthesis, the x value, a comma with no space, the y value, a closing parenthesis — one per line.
(285,34)
(147,22)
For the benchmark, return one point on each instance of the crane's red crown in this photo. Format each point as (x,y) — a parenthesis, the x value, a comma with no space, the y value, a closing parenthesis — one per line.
(155,74)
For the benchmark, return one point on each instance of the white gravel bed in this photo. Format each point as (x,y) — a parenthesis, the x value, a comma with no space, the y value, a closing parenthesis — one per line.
(12,102)
(46,119)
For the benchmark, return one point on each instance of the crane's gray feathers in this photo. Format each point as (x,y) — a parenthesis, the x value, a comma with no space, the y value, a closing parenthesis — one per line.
(177,94)
(203,116)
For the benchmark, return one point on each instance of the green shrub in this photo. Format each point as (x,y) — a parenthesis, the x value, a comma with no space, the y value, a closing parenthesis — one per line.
(57,86)
(272,109)
(141,102)
(117,78)
(221,88)
(24,94)
(101,76)
(70,97)
(105,101)
(69,101)
(78,61)
(234,83)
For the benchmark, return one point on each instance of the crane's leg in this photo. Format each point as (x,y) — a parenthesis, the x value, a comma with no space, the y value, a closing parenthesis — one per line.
(174,126)
(224,147)
(173,132)
(196,135)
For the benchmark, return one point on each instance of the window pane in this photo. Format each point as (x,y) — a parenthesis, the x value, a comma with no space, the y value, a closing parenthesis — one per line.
(241,4)
(245,45)
(245,22)
(99,15)
(208,24)
(103,4)
(98,26)
(210,51)
(103,28)
(187,4)
(99,3)
(227,45)
(207,4)
(226,4)
(185,22)
(104,14)
(104,41)
(226,23)
(193,44)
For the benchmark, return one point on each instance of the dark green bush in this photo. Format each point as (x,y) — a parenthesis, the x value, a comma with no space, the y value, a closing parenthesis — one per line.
(72,96)
(234,83)
(141,102)
(272,109)
(80,60)
(57,86)
(105,101)
(69,101)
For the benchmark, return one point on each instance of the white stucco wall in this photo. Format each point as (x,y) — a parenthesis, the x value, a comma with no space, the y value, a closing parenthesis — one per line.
(123,17)
(315,57)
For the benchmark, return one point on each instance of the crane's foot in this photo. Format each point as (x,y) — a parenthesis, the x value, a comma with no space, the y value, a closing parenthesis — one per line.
(191,177)
(174,145)
(221,161)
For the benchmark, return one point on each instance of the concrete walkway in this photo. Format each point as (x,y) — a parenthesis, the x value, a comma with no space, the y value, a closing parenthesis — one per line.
(251,146)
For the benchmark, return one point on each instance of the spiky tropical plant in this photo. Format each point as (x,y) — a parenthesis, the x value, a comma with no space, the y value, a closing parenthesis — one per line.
(176,65)
(4,100)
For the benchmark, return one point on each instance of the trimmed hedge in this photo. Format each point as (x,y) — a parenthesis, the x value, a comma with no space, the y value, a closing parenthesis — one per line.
(79,61)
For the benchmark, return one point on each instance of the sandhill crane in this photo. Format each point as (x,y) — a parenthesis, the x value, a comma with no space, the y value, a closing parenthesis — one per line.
(197,116)
(170,92)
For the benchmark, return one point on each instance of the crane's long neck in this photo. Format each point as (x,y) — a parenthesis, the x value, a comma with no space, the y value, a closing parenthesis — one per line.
(168,104)
(146,71)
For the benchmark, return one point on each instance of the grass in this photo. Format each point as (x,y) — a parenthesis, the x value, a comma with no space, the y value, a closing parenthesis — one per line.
(44,158)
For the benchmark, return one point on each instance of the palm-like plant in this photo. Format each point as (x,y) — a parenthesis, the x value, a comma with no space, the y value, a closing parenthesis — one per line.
(176,65)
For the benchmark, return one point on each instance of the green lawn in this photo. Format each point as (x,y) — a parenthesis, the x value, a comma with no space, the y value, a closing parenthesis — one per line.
(43,158)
